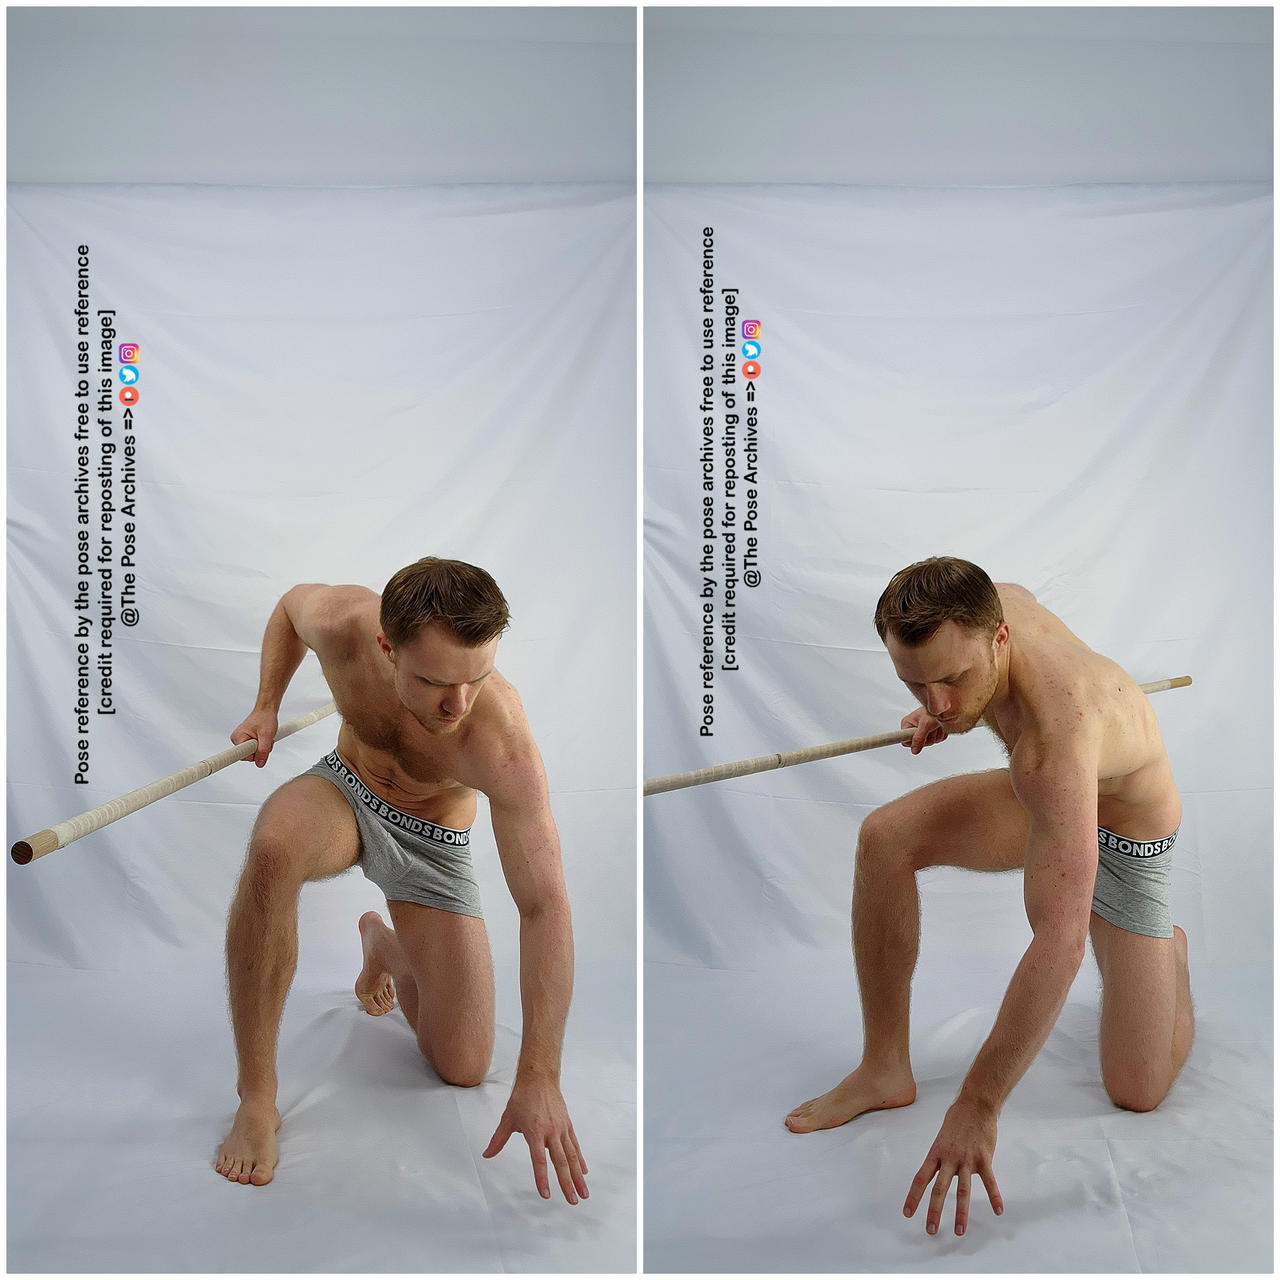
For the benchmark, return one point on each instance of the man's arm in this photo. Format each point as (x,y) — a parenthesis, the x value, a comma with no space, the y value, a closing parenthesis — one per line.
(1059,790)
(1060,795)
(292,629)
(529,848)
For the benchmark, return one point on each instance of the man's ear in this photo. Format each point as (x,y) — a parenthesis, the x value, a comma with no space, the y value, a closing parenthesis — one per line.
(385,645)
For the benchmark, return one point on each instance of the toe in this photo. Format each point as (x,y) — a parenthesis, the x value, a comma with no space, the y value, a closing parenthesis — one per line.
(260,1176)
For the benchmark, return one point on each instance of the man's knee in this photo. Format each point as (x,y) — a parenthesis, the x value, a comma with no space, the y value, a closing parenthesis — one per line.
(461,1062)
(1135,1090)
(883,843)
(274,865)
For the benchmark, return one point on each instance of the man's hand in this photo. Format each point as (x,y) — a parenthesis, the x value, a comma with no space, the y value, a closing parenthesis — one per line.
(928,730)
(261,725)
(537,1111)
(964,1146)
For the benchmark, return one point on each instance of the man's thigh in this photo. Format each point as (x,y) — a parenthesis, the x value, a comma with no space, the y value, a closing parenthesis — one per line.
(1139,1005)
(973,821)
(448,955)
(306,829)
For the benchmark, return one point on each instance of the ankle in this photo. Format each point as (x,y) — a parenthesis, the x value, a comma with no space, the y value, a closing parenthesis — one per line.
(258,1097)
(887,1065)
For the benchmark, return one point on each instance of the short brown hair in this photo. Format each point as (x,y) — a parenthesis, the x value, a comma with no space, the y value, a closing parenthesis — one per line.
(921,597)
(466,599)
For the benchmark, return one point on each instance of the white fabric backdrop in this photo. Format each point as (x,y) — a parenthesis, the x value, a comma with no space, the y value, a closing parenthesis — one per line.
(334,382)
(1070,387)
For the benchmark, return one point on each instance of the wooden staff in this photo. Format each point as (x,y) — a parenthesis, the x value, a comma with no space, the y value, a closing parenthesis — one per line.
(784,759)
(58,837)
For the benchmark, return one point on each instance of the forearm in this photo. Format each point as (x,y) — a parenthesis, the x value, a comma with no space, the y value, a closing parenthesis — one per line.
(546,985)
(1031,1006)
(282,653)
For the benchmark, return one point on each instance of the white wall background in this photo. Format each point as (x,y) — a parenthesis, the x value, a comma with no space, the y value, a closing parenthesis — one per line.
(381,269)
(321,96)
(1013,268)
(882,95)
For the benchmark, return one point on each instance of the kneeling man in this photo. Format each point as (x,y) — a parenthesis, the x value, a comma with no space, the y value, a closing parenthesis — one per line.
(1087,806)
(427,722)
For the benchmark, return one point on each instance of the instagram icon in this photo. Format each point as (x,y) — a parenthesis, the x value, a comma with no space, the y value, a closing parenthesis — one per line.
(751,328)
(128,352)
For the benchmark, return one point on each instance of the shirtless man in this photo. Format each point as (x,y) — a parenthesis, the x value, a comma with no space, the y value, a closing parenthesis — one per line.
(426,723)
(1088,793)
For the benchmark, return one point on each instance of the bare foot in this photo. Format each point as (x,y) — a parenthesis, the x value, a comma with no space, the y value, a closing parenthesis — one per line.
(859,1091)
(249,1153)
(374,986)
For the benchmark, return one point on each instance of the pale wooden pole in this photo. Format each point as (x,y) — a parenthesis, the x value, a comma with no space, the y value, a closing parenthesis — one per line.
(61,835)
(785,759)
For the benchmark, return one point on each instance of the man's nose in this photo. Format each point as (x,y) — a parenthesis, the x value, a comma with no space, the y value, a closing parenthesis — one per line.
(937,703)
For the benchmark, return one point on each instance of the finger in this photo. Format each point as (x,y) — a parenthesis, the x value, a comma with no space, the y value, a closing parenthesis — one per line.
(918,1184)
(577,1170)
(962,1201)
(939,1198)
(987,1174)
(573,1137)
(539,1157)
(499,1139)
(561,1163)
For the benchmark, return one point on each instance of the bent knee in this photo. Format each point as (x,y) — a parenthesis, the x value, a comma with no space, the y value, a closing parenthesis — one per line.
(273,864)
(1130,1094)
(883,841)
(463,1065)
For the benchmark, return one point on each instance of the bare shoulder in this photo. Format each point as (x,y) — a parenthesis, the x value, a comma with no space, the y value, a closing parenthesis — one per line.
(332,618)
(1011,590)
(502,755)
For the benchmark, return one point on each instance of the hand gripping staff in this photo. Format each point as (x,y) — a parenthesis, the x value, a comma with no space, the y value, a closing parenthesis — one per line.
(785,759)
(61,835)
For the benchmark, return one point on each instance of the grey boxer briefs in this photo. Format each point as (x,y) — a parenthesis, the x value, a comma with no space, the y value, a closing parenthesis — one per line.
(408,858)
(1132,887)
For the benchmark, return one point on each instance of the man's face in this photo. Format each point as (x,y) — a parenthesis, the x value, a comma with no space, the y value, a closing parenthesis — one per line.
(954,674)
(438,678)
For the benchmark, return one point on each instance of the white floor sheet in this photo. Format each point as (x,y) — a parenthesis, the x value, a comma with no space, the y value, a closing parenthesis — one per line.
(1071,388)
(333,383)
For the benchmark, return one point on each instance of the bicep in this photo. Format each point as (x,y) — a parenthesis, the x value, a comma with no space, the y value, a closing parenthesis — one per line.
(526,836)
(1061,799)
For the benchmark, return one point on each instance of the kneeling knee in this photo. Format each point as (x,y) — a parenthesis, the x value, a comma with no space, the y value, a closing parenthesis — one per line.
(461,1066)
(1133,1095)
(464,1074)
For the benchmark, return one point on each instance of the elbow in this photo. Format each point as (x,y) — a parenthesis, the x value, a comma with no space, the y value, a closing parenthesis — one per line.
(1061,950)
(550,907)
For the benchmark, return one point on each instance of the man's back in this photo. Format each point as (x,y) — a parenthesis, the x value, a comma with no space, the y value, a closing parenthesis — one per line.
(1059,688)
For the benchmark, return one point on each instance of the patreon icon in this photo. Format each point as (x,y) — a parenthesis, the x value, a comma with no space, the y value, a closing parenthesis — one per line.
(129,395)
(751,328)
(751,369)
(129,352)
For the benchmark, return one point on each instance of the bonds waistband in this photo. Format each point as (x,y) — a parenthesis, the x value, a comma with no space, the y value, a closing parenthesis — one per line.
(1134,848)
(389,813)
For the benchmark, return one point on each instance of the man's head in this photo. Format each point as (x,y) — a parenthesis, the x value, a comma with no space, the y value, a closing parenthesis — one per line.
(943,624)
(441,620)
